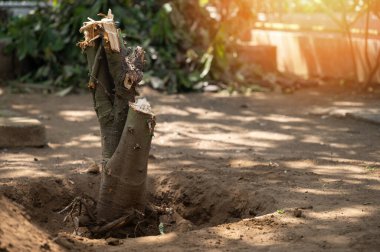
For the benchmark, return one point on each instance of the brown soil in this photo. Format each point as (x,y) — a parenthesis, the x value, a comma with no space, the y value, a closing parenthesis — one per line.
(258,172)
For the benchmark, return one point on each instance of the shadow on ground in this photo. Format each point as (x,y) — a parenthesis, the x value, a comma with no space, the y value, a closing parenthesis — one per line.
(219,161)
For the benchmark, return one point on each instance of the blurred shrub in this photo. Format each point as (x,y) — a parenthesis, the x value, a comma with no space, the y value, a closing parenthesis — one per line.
(186,41)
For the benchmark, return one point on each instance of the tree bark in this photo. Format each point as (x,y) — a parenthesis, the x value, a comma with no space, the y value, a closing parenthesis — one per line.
(124,177)
(126,131)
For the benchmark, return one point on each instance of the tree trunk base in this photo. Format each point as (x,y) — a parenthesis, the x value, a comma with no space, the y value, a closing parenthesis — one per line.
(157,219)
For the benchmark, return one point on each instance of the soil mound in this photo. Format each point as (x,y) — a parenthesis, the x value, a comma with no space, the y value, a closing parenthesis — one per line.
(208,200)
(17,233)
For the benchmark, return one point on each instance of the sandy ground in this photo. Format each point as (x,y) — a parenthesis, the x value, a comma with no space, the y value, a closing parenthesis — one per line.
(237,167)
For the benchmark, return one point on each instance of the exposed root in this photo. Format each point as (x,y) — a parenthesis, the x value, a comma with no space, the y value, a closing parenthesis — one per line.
(157,210)
(84,205)
(118,223)
(80,212)
(76,207)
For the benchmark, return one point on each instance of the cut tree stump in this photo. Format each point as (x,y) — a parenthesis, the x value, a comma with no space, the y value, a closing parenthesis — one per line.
(21,132)
(126,124)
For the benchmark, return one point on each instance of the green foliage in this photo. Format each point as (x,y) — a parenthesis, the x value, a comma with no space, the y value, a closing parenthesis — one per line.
(194,41)
(184,44)
(4,17)
(46,39)
(187,42)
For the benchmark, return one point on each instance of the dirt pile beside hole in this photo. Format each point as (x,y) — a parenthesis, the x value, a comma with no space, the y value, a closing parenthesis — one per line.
(200,199)
(208,200)
(42,199)
(46,193)
(18,234)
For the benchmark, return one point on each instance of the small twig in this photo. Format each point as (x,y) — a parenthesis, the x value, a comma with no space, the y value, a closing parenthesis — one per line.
(72,210)
(77,204)
(66,208)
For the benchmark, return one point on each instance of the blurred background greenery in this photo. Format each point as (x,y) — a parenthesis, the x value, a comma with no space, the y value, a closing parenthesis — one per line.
(182,41)
(188,43)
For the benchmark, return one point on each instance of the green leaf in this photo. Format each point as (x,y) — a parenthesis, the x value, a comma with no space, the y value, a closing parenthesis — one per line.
(280,211)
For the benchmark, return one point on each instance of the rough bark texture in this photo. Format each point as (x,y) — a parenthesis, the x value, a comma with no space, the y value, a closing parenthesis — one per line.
(114,73)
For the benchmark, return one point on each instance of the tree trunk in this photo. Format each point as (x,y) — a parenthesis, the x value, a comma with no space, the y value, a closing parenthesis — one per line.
(124,177)
(126,129)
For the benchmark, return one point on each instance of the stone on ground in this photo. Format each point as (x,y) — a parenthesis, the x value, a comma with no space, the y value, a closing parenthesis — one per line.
(21,132)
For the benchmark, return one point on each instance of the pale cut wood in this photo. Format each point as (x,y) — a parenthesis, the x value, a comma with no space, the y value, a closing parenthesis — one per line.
(92,30)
